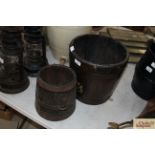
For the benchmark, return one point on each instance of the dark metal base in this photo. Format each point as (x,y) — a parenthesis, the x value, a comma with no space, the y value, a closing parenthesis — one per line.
(13,89)
(13,82)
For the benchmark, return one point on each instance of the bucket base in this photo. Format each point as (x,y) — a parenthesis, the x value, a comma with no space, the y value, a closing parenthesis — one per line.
(55,115)
(93,101)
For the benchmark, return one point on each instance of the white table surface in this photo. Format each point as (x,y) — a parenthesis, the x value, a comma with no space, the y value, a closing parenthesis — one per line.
(123,105)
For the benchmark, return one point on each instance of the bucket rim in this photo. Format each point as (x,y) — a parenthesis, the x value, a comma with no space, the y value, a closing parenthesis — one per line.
(67,86)
(124,61)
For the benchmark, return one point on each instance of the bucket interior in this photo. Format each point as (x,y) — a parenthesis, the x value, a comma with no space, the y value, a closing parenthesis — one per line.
(99,49)
(57,75)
